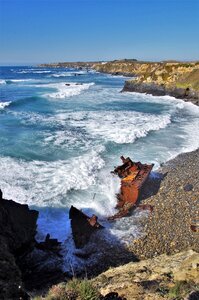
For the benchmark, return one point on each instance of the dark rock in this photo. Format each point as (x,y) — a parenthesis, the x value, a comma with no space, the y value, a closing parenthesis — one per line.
(194,295)
(49,245)
(17,232)
(187,94)
(41,269)
(112,296)
(22,266)
(188,187)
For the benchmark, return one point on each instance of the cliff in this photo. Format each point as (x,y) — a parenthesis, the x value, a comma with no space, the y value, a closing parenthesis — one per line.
(178,79)
(17,232)
(23,266)
(174,79)
(68,65)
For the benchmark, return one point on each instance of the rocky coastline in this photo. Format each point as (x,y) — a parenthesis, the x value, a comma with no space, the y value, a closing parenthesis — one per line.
(167,252)
(173,78)
(186,94)
(169,229)
(176,79)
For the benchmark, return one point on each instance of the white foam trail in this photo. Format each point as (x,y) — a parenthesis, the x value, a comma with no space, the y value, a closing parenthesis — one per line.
(4,104)
(65,90)
(47,183)
(2,81)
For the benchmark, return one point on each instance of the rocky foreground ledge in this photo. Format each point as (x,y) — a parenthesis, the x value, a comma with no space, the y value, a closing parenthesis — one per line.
(22,265)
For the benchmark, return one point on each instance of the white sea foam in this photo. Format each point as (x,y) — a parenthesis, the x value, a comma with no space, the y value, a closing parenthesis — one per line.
(119,127)
(67,139)
(47,183)
(65,90)
(19,80)
(2,81)
(4,104)
(33,71)
(65,74)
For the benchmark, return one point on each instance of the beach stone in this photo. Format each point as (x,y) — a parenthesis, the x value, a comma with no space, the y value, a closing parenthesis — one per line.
(171,226)
(188,187)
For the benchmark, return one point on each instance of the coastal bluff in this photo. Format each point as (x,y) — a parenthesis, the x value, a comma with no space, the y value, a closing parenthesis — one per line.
(173,78)
(177,79)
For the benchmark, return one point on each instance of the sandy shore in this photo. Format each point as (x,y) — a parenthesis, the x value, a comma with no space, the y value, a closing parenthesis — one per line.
(175,200)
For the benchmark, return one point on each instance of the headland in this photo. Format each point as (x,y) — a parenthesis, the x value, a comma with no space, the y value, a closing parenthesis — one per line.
(173,78)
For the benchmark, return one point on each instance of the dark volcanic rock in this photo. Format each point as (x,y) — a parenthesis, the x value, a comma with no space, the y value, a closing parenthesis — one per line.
(186,94)
(17,231)
(17,225)
(22,265)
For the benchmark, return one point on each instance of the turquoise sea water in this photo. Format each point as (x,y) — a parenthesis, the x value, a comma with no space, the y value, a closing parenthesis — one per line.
(59,142)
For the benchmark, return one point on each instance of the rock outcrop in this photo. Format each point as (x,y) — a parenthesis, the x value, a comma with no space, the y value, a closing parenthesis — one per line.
(177,79)
(153,279)
(17,237)
(24,266)
(187,93)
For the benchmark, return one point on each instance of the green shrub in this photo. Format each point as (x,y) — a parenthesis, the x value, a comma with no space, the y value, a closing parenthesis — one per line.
(87,291)
(181,289)
(75,289)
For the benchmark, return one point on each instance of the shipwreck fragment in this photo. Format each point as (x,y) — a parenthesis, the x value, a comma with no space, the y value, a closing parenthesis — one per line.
(133,175)
(82,226)
(50,245)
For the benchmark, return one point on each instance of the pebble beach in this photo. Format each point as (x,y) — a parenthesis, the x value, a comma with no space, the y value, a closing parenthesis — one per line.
(172,226)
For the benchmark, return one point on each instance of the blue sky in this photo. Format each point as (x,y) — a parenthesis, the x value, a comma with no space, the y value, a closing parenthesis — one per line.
(34,31)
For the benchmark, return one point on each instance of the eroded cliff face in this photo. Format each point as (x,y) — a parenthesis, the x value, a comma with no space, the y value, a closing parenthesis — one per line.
(167,73)
(177,79)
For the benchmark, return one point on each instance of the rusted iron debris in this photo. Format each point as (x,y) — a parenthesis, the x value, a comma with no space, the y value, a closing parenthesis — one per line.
(133,175)
(82,226)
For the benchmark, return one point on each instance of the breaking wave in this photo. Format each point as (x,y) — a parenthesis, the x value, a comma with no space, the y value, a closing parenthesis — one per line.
(33,71)
(9,81)
(119,127)
(5,104)
(65,90)
(2,81)
(44,183)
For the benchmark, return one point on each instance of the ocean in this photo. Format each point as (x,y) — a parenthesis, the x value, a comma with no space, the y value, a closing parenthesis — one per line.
(63,130)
